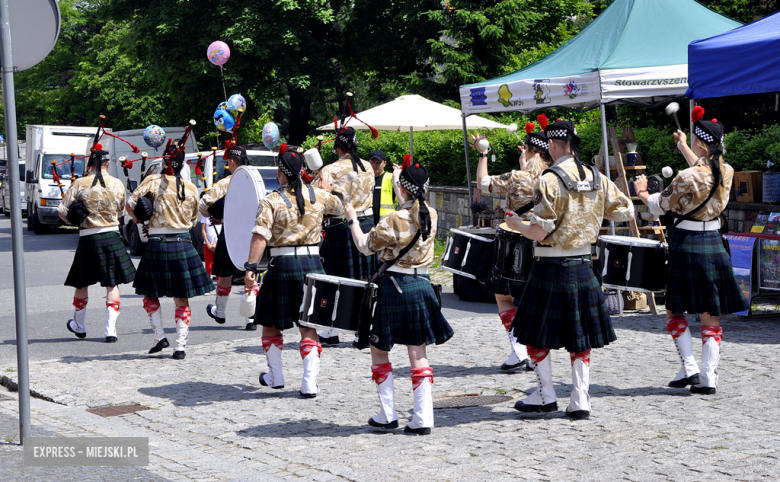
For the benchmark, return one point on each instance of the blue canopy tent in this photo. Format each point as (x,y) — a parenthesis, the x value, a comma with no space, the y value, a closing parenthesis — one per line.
(745,60)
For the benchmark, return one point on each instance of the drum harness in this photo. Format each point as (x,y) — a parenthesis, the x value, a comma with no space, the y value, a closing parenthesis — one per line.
(570,185)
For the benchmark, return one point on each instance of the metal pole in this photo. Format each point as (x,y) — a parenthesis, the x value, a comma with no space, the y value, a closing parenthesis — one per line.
(411,141)
(691,105)
(468,167)
(20,296)
(605,141)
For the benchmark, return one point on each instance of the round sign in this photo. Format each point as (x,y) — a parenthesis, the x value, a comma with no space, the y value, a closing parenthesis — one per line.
(35,26)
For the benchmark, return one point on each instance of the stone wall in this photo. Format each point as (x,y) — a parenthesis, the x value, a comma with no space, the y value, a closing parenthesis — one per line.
(741,216)
(452,205)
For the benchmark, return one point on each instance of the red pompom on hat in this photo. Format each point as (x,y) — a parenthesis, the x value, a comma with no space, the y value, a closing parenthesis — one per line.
(282,149)
(714,120)
(542,121)
(529,127)
(697,114)
(98,147)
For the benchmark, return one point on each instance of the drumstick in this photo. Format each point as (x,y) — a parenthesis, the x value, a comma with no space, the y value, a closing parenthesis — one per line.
(671,110)
(351,177)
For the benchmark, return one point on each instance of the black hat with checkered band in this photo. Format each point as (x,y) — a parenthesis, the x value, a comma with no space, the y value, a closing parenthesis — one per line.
(414,178)
(565,130)
(711,133)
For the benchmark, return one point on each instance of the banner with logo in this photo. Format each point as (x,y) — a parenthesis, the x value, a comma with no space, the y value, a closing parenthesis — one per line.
(659,81)
(532,94)
(742,261)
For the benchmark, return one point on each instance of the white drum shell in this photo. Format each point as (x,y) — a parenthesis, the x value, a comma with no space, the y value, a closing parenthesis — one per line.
(245,191)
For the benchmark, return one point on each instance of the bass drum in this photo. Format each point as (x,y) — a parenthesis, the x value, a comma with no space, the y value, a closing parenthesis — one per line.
(245,191)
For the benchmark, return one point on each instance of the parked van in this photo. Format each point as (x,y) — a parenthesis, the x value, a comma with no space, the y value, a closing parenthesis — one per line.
(44,145)
(5,190)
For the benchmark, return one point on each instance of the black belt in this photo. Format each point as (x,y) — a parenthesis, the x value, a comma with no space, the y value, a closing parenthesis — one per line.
(564,260)
(170,240)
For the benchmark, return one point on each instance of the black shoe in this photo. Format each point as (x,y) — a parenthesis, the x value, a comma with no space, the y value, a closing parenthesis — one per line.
(159,346)
(684,382)
(389,425)
(526,408)
(306,395)
(111,339)
(520,364)
(251,326)
(178,355)
(703,390)
(219,320)
(262,382)
(578,414)
(78,335)
(417,431)
(329,341)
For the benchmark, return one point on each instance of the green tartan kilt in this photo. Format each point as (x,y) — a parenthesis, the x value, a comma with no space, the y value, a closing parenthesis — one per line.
(340,256)
(171,269)
(413,317)
(700,275)
(282,289)
(100,258)
(223,266)
(563,307)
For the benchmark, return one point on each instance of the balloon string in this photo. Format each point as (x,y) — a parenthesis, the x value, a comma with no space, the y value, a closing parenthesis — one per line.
(222,73)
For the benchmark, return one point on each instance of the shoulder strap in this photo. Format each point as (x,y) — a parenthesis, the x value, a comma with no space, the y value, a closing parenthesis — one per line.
(572,185)
(311,194)
(284,197)
(387,264)
(563,176)
(698,208)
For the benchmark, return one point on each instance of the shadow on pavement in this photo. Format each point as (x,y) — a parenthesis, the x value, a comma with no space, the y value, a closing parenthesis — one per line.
(191,394)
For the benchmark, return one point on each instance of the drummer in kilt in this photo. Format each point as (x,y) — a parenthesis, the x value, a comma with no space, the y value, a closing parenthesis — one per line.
(288,223)
(407,310)
(212,204)
(562,305)
(170,265)
(518,185)
(340,256)
(700,275)
(100,256)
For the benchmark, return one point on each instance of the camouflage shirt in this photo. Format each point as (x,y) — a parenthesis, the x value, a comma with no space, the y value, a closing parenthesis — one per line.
(169,212)
(690,188)
(336,175)
(281,226)
(217,192)
(105,205)
(397,230)
(573,218)
(517,185)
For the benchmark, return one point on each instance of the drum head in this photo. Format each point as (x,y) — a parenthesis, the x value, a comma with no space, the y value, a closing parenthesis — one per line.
(629,241)
(245,191)
(504,227)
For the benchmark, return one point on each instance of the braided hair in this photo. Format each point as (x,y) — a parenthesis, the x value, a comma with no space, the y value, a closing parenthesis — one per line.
(291,164)
(174,158)
(414,178)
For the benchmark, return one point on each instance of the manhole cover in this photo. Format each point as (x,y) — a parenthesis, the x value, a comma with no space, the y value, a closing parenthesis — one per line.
(115,410)
(470,401)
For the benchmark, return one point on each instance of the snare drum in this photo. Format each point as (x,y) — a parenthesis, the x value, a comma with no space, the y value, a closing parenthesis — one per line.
(513,255)
(469,254)
(632,264)
(245,191)
(333,303)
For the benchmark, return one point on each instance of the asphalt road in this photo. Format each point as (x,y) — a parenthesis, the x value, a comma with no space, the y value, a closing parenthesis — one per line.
(49,306)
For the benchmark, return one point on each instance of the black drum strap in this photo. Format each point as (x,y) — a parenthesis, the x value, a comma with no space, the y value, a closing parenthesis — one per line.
(364,315)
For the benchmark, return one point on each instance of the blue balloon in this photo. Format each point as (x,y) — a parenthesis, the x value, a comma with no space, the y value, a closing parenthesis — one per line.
(223,120)
(236,103)
(154,136)
(270,135)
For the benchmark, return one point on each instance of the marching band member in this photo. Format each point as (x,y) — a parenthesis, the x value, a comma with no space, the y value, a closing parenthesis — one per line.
(519,189)
(170,265)
(700,275)
(563,305)
(339,254)
(212,205)
(407,310)
(100,256)
(288,223)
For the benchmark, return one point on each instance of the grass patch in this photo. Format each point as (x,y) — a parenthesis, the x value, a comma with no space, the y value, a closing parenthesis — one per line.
(438,251)
(718,447)
(663,436)
(473,455)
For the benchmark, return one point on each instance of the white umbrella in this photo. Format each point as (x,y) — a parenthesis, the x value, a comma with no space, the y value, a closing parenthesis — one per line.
(413,112)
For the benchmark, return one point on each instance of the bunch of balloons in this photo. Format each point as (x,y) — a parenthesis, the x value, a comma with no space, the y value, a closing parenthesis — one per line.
(227,112)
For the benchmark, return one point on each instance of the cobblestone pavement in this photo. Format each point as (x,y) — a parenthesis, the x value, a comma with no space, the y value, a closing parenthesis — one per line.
(210,418)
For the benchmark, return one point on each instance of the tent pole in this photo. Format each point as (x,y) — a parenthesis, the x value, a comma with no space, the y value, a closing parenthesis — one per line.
(468,165)
(604,142)
(411,141)
(691,105)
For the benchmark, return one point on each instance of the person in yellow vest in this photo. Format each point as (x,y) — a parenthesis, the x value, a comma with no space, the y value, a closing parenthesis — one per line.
(384,196)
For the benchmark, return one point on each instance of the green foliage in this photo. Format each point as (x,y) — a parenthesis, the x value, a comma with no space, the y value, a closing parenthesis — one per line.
(750,150)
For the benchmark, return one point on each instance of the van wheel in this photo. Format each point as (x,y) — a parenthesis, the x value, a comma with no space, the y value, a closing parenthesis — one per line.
(33,224)
(134,240)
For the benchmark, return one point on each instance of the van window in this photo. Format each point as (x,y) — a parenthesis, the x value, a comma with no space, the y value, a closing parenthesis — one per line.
(63,166)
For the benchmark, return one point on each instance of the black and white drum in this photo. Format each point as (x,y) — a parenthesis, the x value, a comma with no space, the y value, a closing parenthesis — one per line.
(332,302)
(632,264)
(245,191)
(469,253)
(513,255)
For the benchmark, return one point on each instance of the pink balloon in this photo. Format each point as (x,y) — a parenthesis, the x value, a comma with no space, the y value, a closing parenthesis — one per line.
(218,53)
